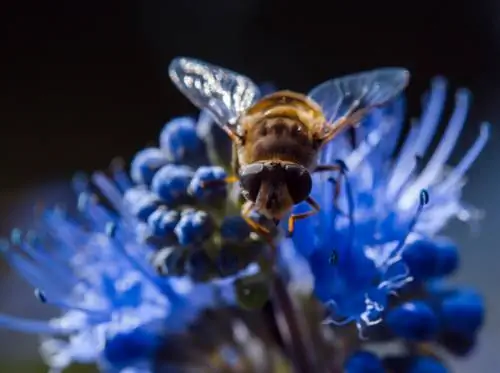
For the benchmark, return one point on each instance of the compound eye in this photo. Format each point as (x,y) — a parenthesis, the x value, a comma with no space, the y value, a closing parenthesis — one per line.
(251,179)
(298,181)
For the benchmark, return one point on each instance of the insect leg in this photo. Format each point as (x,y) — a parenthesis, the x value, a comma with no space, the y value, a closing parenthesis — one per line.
(328,167)
(218,182)
(245,214)
(351,118)
(258,228)
(302,215)
(237,139)
(340,124)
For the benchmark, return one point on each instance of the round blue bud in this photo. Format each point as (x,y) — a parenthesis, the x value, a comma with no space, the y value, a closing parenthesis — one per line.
(431,258)
(463,312)
(448,258)
(171,182)
(420,257)
(425,364)
(162,222)
(127,347)
(170,261)
(363,362)
(234,228)
(145,164)
(194,227)
(180,140)
(140,202)
(413,321)
(228,261)
(200,266)
(214,175)
(458,344)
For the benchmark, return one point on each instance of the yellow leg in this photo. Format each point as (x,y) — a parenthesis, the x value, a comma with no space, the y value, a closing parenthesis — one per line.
(351,118)
(245,213)
(237,139)
(258,228)
(328,167)
(302,215)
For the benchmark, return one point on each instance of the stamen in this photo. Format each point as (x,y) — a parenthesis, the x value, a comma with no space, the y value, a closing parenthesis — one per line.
(423,200)
(32,326)
(431,116)
(101,314)
(119,175)
(331,305)
(445,147)
(111,193)
(47,262)
(350,203)
(371,306)
(420,136)
(25,268)
(163,287)
(80,183)
(401,175)
(458,172)
(330,321)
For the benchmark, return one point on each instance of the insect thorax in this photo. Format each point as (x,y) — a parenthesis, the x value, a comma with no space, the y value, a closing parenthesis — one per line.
(282,127)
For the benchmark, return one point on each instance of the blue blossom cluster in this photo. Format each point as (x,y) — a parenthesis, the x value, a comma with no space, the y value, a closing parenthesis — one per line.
(134,264)
(152,248)
(184,208)
(376,257)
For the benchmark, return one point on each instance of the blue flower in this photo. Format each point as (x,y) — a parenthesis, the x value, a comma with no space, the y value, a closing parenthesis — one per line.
(381,234)
(149,253)
(105,268)
(115,307)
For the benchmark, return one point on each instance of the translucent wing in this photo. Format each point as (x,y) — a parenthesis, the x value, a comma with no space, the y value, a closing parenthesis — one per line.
(224,93)
(353,95)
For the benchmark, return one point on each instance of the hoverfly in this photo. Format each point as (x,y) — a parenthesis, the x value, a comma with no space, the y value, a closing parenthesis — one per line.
(277,138)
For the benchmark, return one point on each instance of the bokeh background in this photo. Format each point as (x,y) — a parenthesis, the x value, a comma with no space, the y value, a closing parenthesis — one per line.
(84,81)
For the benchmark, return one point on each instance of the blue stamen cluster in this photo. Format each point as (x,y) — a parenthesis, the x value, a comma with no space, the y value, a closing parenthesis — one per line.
(376,256)
(147,251)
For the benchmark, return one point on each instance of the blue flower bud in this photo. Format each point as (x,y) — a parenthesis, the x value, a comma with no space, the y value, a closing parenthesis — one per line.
(228,261)
(162,222)
(145,164)
(426,364)
(458,344)
(413,321)
(170,261)
(208,174)
(431,258)
(463,312)
(180,140)
(171,183)
(140,202)
(200,266)
(194,227)
(234,228)
(363,362)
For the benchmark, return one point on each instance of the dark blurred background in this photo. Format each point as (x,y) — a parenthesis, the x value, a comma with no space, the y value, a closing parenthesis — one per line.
(84,81)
